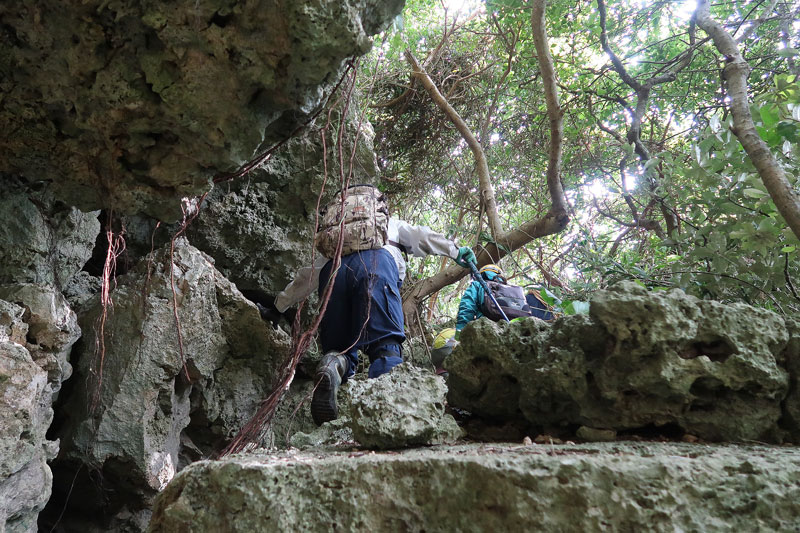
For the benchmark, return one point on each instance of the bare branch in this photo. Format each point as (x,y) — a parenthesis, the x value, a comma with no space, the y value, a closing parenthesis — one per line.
(487,191)
(555,220)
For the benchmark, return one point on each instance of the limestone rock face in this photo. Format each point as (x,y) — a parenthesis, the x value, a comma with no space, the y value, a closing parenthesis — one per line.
(599,487)
(259,230)
(791,406)
(36,334)
(41,240)
(52,328)
(133,105)
(25,414)
(640,359)
(138,413)
(402,408)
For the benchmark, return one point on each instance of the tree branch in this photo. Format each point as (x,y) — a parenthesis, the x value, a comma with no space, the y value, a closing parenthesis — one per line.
(735,74)
(554,112)
(487,191)
(555,220)
(756,23)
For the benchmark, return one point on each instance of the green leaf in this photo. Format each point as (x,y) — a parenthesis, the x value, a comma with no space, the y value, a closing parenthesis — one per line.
(788,249)
(788,130)
(754,193)
(769,115)
(549,300)
(575,307)
(788,52)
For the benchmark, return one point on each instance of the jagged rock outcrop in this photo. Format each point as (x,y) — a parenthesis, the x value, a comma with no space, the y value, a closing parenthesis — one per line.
(37,330)
(640,359)
(600,487)
(130,107)
(25,414)
(42,240)
(140,409)
(133,105)
(260,229)
(292,416)
(43,244)
(402,408)
(52,329)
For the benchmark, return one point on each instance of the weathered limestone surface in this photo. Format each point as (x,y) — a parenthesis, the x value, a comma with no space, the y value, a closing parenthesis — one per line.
(52,329)
(25,414)
(133,105)
(292,416)
(791,406)
(598,487)
(144,419)
(402,408)
(43,244)
(37,331)
(640,359)
(41,240)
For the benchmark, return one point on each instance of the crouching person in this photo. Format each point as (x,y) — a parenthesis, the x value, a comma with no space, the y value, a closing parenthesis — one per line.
(365,311)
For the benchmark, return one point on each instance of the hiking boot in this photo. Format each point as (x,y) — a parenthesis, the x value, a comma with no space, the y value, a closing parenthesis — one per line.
(328,379)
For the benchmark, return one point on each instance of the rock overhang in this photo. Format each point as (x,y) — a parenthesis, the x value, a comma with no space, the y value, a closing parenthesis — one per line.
(134,105)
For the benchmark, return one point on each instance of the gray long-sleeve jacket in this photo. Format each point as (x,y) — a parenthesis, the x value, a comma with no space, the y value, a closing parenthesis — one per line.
(419,241)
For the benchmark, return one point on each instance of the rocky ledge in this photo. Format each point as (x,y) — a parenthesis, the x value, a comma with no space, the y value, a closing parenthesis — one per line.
(501,487)
(639,360)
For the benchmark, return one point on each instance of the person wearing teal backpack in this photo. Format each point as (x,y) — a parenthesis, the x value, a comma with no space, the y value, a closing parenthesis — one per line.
(471,305)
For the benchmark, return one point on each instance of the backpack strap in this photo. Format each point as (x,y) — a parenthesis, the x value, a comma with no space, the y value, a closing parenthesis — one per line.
(400,247)
(397,245)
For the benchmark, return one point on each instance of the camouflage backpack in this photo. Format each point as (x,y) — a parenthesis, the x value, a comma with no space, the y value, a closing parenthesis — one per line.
(364,221)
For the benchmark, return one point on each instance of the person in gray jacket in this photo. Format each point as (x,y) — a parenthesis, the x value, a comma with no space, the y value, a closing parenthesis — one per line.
(365,311)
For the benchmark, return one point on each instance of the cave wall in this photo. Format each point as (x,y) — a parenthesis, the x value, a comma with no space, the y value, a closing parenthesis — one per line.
(43,244)
(116,113)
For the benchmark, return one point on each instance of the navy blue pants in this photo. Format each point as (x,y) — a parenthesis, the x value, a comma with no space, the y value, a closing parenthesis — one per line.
(365,311)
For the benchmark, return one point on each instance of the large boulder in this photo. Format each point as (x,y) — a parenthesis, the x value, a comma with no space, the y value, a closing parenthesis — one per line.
(404,407)
(599,487)
(148,400)
(641,359)
(134,105)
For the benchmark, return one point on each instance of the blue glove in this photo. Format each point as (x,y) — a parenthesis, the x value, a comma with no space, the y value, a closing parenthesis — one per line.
(465,257)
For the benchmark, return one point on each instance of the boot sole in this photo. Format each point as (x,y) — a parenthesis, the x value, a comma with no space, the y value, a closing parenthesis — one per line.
(323,403)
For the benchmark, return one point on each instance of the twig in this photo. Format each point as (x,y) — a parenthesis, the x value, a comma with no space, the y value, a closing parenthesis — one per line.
(788,278)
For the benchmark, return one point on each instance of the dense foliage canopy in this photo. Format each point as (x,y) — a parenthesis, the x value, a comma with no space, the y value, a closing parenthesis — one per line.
(659,187)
